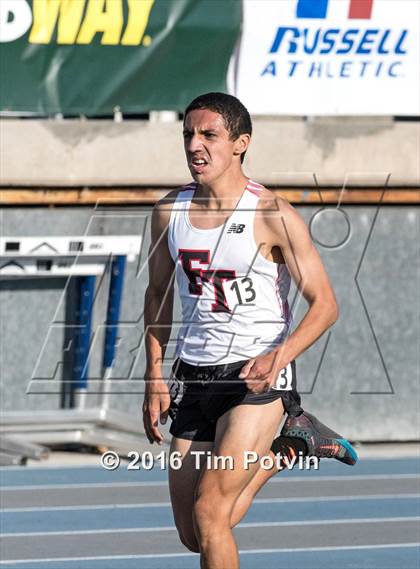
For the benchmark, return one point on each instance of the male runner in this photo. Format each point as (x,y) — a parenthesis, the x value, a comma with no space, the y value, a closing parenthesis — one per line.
(233,246)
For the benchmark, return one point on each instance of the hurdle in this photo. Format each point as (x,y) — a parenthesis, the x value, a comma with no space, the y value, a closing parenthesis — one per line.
(83,259)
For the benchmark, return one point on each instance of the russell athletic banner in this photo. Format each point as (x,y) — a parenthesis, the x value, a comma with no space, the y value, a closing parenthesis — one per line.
(89,56)
(293,57)
(329,57)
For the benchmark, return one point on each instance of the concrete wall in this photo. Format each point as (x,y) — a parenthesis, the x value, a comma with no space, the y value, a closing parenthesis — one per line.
(354,151)
(362,379)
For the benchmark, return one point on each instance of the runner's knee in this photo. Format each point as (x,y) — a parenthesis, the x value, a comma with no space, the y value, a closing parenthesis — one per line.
(210,514)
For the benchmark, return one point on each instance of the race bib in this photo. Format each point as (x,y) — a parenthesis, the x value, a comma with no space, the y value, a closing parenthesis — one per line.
(240,291)
(284,379)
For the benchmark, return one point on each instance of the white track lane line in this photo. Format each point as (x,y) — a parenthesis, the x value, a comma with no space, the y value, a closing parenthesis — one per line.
(339,521)
(241,552)
(165,482)
(256,501)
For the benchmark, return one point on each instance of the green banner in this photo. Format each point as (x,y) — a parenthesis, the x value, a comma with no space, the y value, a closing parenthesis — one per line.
(89,56)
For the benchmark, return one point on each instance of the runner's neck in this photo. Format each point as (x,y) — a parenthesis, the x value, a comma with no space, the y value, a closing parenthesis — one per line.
(220,197)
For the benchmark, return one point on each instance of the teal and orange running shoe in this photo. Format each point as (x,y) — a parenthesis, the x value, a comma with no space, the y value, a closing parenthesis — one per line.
(320,440)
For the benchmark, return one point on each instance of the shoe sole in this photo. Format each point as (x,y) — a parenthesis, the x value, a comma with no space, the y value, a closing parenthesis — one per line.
(326,432)
(350,449)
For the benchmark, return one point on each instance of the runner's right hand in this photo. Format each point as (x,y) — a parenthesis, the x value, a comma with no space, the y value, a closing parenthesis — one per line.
(155,405)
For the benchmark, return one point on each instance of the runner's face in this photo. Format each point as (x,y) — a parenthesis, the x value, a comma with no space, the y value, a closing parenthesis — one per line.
(209,151)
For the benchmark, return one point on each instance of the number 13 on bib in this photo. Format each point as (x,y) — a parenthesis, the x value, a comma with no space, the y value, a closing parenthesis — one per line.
(240,291)
(284,379)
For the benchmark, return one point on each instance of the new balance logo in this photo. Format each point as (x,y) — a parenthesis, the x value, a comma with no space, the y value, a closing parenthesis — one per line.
(236,228)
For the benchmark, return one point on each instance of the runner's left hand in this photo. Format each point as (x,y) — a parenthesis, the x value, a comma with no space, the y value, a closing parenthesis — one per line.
(260,373)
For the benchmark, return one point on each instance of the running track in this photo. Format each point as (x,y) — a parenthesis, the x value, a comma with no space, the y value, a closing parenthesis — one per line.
(365,517)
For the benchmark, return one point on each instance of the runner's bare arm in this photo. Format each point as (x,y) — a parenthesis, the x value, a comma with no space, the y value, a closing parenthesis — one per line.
(287,231)
(308,272)
(159,294)
(158,304)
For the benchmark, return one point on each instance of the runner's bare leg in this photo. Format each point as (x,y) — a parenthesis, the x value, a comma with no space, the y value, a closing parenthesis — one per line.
(183,483)
(244,428)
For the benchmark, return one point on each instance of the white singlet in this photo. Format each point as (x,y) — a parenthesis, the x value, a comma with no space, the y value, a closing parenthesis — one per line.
(234,301)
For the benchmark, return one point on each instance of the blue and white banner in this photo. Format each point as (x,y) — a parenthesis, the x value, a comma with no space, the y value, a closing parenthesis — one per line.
(330,57)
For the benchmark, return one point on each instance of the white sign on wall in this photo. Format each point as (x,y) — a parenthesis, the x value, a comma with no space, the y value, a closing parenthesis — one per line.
(330,57)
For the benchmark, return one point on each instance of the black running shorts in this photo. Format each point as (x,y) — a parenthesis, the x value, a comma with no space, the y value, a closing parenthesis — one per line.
(200,395)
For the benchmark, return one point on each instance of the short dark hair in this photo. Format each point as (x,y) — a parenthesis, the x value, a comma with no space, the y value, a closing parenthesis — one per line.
(235,115)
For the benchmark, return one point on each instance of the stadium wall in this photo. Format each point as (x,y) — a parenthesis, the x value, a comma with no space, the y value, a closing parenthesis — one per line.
(352,151)
(363,378)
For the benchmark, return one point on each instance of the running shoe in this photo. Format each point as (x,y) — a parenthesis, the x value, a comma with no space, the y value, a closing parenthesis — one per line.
(321,441)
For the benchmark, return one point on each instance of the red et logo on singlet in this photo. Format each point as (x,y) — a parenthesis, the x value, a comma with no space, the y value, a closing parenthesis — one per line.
(198,275)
